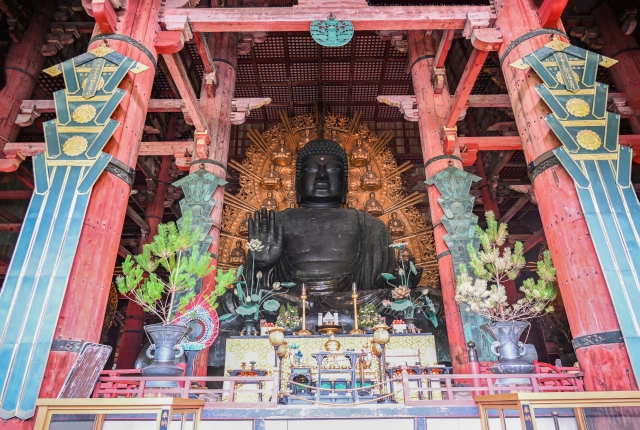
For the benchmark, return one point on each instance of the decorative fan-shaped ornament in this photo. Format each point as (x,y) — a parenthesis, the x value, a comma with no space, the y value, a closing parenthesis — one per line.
(332,32)
(203,321)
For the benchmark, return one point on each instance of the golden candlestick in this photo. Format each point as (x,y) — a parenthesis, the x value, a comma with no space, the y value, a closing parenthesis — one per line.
(356,330)
(304,331)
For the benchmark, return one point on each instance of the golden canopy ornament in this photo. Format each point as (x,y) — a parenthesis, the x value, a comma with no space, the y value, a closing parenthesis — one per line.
(263,168)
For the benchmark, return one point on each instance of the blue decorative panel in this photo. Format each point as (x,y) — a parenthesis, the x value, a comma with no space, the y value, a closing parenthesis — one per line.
(64,175)
(600,168)
(460,222)
(332,32)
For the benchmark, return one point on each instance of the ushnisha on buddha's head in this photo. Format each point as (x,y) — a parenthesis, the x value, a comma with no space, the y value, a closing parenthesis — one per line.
(321,174)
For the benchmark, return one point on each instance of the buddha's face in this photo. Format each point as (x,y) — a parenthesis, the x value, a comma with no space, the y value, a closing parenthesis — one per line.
(321,180)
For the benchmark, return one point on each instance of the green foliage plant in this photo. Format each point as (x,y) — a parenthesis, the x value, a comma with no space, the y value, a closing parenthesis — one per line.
(403,304)
(494,263)
(368,316)
(289,317)
(167,292)
(252,297)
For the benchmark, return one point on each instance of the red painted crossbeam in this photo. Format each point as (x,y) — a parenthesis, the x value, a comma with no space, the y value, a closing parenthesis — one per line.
(299,18)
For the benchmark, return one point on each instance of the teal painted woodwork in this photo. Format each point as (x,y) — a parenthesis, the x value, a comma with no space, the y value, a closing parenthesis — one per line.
(332,32)
(460,222)
(64,175)
(600,168)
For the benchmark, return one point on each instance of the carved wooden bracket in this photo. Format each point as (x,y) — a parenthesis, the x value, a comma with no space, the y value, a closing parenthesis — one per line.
(105,15)
(406,104)
(182,25)
(618,104)
(169,42)
(241,108)
(27,115)
(525,189)
(247,40)
(11,164)
(475,20)
(202,140)
(398,39)
(450,139)
(438,78)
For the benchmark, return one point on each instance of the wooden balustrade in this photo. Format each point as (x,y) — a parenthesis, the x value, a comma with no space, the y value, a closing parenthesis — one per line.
(266,390)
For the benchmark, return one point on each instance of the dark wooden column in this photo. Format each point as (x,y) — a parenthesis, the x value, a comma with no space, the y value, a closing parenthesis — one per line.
(584,290)
(432,109)
(217,110)
(22,67)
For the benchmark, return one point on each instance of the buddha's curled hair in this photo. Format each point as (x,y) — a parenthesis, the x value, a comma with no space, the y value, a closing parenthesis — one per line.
(323,147)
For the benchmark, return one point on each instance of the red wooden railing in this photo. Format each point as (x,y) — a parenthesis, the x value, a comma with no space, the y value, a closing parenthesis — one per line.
(454,393)
(136,387)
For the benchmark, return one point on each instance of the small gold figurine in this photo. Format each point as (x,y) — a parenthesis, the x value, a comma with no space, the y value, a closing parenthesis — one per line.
(395,225)
(272,179)
(238,254)
(270,203)
(359,155)
(373,206)
(369,180)
(243,228)
(282,155)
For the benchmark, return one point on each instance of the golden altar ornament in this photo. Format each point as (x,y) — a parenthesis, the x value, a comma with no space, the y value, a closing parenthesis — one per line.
(381,334)
(354,296)
(276,336)
(304,331)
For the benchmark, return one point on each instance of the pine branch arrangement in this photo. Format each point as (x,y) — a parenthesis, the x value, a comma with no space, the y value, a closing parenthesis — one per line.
(491,265)
(175,251)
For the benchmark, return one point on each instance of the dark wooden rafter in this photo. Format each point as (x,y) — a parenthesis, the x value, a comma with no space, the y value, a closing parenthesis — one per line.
(183,84)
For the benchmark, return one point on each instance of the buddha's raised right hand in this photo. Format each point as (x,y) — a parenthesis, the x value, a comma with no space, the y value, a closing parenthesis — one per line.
(264,229)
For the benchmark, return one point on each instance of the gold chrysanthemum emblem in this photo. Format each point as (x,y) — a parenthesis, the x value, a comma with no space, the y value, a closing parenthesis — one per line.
(75,145)
(589,140)
(84,113)
(578,107)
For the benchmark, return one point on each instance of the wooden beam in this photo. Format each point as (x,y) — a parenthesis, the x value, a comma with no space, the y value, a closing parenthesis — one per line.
(104,15)
(25,176)
(138,220)
(29,149)
(189,98)
(200,40)
(299,18)
(443,48)
(500,164)
(14,227)
(550,12)
(16,195)
(9,216)
(535,239)
(519,204)
(123,252)
(467,81)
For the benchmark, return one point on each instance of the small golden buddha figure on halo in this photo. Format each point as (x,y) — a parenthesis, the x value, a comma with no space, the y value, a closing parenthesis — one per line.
(369,180)
(282,155)
(238,255)
(243,228)
(289,191)
(395,225)
(373,206)
(359,155)
(305,140)
(272,179)
(270,203)
(292,205)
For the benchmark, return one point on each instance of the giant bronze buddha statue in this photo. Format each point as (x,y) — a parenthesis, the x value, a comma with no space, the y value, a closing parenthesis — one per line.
(320,243)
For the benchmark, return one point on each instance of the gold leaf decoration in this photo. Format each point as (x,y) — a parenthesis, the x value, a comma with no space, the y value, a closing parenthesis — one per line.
(84,113)
(589,139)
(578,107)
(75,145)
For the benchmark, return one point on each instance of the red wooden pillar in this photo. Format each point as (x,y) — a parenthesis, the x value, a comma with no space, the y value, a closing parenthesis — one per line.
(133,331)
(22,67)
(91,275)
(217,110)
(432,110)
(625,49)
(583,287)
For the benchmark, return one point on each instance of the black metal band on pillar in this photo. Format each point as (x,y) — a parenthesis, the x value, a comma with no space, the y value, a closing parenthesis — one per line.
(540,164)
(209,161)
(420,58)
(224,60)
(120,170)
(214,255)
(67,345)
(133,42)
(527,36)
(442,157)
(604,338)
(443,254)
(22,71)
(622,51)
